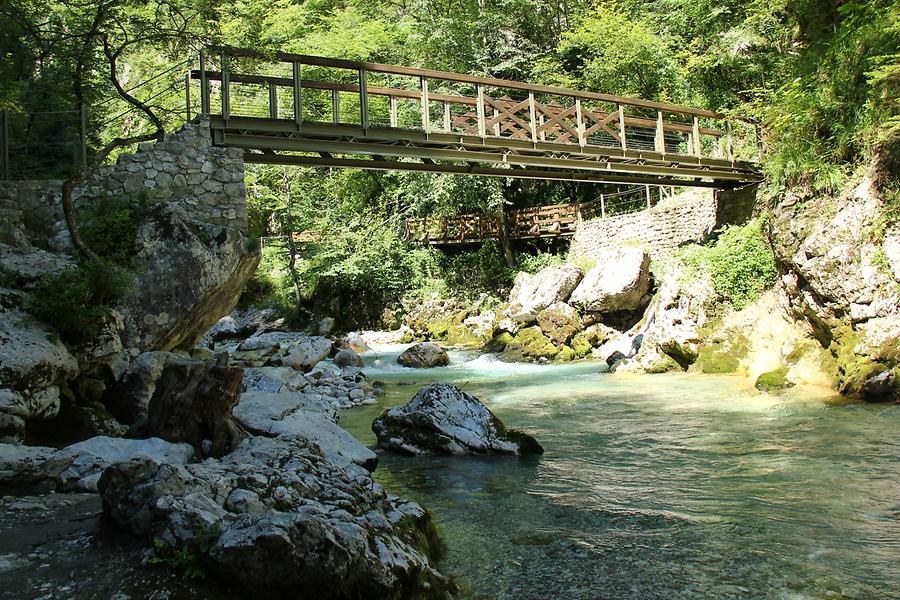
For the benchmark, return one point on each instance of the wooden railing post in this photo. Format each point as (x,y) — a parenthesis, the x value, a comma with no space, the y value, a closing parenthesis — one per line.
(480,110)
(204,86)
(298,93)
(660,134)
(648,195)
(622,128)
(226,85)
(273,101)
(363,99)
(602,207)
(579,121)
(696,135)
(335,106)
(4,145)
(532,118)
(393,103)
(728,142)
(187,96)
(448,123)
(426,113)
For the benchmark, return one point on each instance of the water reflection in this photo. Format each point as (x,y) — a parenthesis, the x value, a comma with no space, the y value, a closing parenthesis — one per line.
(667,486)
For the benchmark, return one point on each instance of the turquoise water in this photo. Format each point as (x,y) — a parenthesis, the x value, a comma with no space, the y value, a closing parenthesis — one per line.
(657,486)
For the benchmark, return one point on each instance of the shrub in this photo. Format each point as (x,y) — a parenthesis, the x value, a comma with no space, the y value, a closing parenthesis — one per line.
(109,226)
(740,263)
(76,301)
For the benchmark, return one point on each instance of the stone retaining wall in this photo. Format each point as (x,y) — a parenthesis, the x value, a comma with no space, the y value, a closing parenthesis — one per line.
(690,217)
(184,168)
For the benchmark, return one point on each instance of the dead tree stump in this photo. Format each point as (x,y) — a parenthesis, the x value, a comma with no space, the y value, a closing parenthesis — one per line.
(194,401)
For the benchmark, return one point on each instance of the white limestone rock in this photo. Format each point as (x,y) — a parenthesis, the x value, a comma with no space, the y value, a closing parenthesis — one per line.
(618,282)
(306,353)
(424,356)
(533,293)
(305,417)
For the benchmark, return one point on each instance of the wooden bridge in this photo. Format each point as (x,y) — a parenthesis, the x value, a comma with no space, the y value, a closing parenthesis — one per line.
(554,221)
(325,112)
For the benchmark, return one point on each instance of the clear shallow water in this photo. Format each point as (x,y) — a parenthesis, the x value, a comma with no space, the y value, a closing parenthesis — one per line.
(657,486)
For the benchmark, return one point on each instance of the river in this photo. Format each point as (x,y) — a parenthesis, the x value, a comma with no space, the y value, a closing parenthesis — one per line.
(655,486)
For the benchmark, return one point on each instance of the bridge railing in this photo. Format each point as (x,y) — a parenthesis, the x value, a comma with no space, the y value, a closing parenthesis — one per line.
(312,90)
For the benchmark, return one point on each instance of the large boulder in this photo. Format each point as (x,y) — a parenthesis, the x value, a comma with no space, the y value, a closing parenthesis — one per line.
(560,322)
(533,293)
(247,323)
(530,345)
(618,282)
(33,366)
(307,353)
(78,467)
(188,275)
(443,419)
(424,356)
(347,358)
(304,417)
(279,519)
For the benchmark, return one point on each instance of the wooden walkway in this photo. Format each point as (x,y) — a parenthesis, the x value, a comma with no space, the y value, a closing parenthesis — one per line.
(325,112)
(558,220)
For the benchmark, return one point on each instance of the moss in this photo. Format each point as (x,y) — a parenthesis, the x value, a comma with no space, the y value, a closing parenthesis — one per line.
(407,338)
(664,364)
(581,345)
(850,370)
(565,354)
(530,344)
(499,343)
(773,380)
(723,355)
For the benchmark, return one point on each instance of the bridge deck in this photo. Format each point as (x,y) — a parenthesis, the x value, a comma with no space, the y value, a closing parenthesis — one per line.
(376,116)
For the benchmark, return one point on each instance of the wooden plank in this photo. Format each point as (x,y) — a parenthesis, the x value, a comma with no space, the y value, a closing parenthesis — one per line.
(447,123)
(579,121)
(393,103)
(660,140)
(187,96)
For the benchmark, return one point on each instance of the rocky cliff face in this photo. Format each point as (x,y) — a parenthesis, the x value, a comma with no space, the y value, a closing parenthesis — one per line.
(841,276)
(191,263)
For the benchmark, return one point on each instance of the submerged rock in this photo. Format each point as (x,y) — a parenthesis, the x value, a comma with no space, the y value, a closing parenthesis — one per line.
(443,419)
(424,356)
(279,519)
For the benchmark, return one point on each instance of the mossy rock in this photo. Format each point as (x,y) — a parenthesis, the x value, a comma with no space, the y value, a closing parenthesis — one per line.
(499,343)
(663,364)
(854,374)
(581,345)
(407,338)
(529,344)
(723,355)
(775,379)
(565,354)
(560,322)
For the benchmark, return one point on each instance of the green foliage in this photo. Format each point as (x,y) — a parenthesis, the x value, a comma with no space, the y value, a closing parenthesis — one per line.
(532,263)
(611,53)
(181,560)
(76,301)
(109,226)
(740,263)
